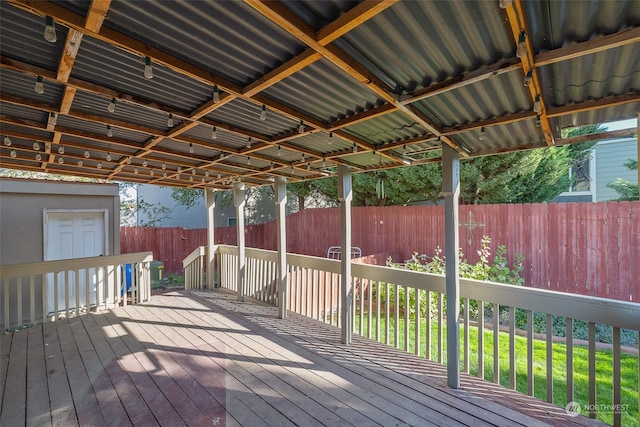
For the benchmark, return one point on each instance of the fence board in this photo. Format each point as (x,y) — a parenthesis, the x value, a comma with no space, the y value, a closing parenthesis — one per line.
(587,248)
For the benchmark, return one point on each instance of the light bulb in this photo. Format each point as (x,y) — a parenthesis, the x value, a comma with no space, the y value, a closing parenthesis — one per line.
(109,131)
(202,179)
(309,166)
(206,174)
(191,148)
(128,160)
(179,169)
(36,146)
(135,170)
(38,157)
(39,87)
(170,120)
(355,148)
(219,175)
(60,160)
(144,163)
(528,78)
(537,105)
(148,69)
(214,133)
(151,172)
(249,143)
(13,154)
(53,119)
(216,94)
(50,30)
(61,150)
(99,165)
(108,157)
(263,113)
(191,178)
(221,155)
(505,3)
(538,122)
(87,154)
(279,154)
(521,49)
(482,134)
(80,163)
(7,141)
(248,161)
(301,127)
(193,171)
(374,156)
(112,106)
(164,174)
(164,166)
(330,138)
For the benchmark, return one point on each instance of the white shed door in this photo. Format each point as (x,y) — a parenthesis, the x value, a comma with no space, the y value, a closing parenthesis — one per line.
(73,235)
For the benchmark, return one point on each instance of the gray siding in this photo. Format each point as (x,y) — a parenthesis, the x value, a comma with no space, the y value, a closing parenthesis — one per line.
(610,158)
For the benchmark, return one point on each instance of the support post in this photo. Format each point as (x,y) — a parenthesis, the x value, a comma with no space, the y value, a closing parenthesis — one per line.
(281,204)
(210,201)
(345,195)
(638,150)
(238,201)
(451,191)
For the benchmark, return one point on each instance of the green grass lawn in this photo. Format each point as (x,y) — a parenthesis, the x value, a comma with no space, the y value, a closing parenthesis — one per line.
(604,393)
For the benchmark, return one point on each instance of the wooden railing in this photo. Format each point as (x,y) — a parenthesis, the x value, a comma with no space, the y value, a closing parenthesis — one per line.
(45,291)
(194,269)
(406,309)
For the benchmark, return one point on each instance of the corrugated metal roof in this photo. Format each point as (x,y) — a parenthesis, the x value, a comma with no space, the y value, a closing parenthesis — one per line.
(387,128)
(321,142)
(23,86)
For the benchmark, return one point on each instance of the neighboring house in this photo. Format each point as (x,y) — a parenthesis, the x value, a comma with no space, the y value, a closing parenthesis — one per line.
(259,209)
(55,220)
(606,165)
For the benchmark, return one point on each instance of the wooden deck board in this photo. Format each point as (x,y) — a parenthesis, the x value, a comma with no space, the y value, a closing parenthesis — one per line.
(202,358)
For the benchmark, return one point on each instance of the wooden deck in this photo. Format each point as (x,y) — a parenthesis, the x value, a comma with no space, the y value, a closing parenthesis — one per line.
(201,358)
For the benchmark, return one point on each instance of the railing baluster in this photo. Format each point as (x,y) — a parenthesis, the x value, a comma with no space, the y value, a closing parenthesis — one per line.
(387,302)
(481,339)
(317,285)
(549,338)
(369,305)
(6,303)
(530,375)
(19,300)
(617,396)
(569,348)
(378,310)
(465,348)
(496,343)
(512,348)
(32,299)
(396,316)
(45,293)
(407,309)
(592,370)
(427,335)
(76,282)
(440,328)
(417,319)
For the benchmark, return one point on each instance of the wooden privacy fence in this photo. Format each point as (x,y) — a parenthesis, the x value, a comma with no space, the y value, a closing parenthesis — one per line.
(584,248)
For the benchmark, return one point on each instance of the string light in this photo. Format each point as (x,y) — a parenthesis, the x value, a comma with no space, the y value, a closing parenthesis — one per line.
(170,120)
(60,160)
(309,166)
(13,154)
(80,163)
(99,165)
(144,163)
(193,171)
(7,141)
(179,169)
(128,161)
(50,30)
(148,68)
(191,178)
(355,148)
(36,145)
(206,174)
(112,106)
(53,119)
(151,172)
(219,175)
(330,138)
(109,131)
(505,3)
(39,87)
(191,147)
(249,143)
(61,150)
(135,170)
(528,78)
(216,94)
(38,157)
(521,49)
(248,161)
(108,158)
(214,133)
(87,154)
(164,166)
(538,122)
(222,155)
(301,127)
(537,105)
(263,113)
(482,134)
(164,174)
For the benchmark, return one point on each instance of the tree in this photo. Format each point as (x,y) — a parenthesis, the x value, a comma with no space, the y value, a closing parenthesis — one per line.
(625,189)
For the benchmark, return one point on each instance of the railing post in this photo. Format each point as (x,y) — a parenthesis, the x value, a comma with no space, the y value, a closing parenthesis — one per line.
(451,191)
(345,195)
(210,200)
(281,280)
(238,201)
